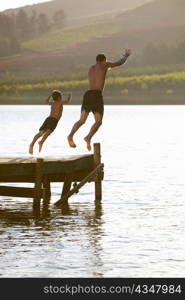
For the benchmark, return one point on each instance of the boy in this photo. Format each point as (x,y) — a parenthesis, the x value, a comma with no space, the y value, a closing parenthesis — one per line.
(49,125)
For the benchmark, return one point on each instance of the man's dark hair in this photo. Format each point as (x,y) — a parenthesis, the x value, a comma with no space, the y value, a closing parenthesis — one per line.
(100,57)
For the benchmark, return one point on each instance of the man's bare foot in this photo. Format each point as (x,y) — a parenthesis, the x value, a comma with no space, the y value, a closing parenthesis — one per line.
(88,141)
(71,142)
(31,149)
(40,146)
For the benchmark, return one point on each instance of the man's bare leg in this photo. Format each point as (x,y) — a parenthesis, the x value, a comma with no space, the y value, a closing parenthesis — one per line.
(45,136)
(76,126)
(98,121)
(36,137)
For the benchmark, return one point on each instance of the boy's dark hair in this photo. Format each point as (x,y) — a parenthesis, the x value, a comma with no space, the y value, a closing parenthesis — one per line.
(56,94)
(100,57)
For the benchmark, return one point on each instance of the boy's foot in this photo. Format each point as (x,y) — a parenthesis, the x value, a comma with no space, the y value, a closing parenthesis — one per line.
(71,142)
(88,141)
(31,149)
(40,146)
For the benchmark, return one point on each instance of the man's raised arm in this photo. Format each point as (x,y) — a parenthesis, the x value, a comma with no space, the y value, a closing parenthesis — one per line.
(120,61)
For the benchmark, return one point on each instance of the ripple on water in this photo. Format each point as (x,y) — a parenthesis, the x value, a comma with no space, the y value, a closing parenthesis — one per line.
(137,230)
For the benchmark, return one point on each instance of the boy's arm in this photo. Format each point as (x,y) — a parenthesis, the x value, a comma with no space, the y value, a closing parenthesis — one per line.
(49,100)
(68,99)
(119,62)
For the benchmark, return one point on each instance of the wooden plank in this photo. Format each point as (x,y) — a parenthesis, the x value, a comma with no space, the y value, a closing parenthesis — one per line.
(24,168)
(19,192)
(15,178)
(81,168)
(77,176)
(81,164)
(25,160)
(17,169)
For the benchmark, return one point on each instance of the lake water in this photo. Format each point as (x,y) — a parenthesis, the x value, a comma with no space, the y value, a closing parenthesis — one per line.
(138,228)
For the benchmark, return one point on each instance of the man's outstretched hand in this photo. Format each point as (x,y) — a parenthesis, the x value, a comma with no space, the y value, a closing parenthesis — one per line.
(127,52)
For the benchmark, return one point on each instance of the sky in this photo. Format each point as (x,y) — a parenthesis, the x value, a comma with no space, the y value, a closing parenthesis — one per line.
(6,4)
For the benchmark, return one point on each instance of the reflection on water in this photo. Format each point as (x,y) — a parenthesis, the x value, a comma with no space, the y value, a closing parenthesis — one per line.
(138,228)
(57,234)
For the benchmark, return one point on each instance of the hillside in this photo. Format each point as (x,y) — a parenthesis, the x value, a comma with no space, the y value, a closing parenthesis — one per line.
(72,49)
(80,11)
(158,13)
(71,37)
(157,21)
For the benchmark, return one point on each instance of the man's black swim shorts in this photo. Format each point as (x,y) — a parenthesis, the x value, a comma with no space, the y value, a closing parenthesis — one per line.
(93,101)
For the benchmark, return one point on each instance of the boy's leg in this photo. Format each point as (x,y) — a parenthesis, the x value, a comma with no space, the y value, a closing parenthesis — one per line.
(45,136)
(77,125)
(36,137)
(98,121)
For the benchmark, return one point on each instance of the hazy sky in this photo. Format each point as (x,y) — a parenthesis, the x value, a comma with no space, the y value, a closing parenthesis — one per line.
(6,4)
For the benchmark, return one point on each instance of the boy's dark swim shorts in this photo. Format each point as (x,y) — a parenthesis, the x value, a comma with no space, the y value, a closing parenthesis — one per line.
(49,123)
(93,101)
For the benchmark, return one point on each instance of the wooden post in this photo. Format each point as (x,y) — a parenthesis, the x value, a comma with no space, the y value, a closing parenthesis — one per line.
(38,184)
(47,186)
(97,161)
(66,186)
(65,190)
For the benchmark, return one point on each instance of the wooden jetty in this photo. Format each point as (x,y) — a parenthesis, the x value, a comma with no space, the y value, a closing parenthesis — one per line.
(76,170)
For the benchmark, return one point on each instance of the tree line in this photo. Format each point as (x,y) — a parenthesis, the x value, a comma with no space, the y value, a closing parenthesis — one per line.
(161,54)
(21,26)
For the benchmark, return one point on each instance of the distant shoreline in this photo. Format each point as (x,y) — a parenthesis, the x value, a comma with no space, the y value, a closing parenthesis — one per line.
(108,100)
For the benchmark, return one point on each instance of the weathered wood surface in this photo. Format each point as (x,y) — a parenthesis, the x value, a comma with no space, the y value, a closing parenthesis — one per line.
(30,159)
(97,161)
(23,169)
(42,171)
(20,192)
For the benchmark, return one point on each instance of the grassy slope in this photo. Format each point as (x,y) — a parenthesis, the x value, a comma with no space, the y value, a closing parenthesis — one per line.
(82,9)
(174,80)
(156,13)
(145,89)
(70,37)
(158,21)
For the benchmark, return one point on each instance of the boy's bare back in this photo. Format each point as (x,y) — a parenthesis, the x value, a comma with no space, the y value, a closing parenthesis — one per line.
(57,106)
(56,109)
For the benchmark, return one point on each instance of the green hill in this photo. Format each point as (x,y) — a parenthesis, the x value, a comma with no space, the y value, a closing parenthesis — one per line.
(82,11)
(158,13)
(73,49)
(157,21)
(71,37)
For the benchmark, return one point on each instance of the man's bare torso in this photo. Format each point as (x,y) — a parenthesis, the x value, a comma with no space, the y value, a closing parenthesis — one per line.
(96,75)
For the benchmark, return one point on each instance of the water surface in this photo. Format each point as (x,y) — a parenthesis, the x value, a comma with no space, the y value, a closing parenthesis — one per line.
(138,228)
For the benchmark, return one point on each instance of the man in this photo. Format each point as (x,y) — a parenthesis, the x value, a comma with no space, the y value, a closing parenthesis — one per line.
(93,98)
